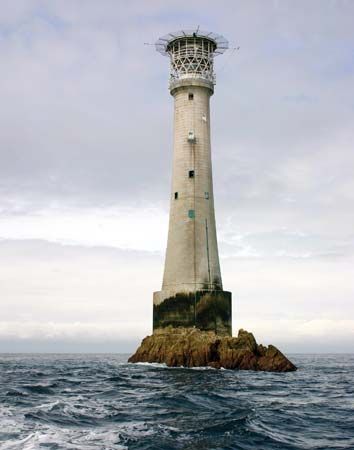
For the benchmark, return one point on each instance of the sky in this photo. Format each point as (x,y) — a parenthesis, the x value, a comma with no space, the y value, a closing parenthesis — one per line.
(86,158)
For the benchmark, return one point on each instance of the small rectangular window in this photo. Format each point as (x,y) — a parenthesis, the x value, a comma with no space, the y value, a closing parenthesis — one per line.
(176,195)
(191,137)
(191,214)
(206,195)
(190,96)
(191,174)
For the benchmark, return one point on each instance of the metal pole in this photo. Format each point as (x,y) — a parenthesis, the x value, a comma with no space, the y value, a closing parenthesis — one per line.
(207,248)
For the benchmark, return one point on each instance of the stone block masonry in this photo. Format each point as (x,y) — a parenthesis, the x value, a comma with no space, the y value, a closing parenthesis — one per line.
(192,294)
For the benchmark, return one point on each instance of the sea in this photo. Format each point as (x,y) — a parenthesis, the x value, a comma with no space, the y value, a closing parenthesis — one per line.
(81,401)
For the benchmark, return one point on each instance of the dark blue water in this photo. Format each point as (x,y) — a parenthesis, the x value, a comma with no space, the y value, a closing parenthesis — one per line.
(100,402)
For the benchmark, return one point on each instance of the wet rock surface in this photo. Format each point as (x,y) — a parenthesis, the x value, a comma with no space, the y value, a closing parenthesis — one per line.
(191,347)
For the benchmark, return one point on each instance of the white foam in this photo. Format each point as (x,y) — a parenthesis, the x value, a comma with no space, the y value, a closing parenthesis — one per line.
(68,439)
(162,365)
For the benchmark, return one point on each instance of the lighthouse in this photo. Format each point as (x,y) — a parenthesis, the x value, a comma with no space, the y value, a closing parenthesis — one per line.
(192,293)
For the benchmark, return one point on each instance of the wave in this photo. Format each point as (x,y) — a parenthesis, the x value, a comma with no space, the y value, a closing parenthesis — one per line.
(85,402)
(40,388)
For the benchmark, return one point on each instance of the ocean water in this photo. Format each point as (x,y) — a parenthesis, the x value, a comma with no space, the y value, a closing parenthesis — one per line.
(101,402)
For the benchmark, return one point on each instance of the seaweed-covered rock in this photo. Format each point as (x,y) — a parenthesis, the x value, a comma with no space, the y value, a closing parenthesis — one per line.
(191,347)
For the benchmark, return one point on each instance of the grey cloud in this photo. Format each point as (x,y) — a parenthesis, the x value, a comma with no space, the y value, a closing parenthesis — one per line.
(86,122)
(88,117)
(100,299)
(284,244)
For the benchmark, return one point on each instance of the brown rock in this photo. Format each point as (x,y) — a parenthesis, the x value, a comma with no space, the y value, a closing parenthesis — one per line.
(191,347)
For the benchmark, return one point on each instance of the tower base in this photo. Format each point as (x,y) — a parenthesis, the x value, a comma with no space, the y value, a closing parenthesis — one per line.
(205,310)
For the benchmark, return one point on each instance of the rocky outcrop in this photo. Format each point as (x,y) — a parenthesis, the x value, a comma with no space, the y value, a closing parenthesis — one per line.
(191,347)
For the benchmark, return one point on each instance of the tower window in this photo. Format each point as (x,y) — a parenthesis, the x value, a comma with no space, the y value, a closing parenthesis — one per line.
(206,195)
(191,174)
(191,214)
(191,137)
(176,195)
(190,96)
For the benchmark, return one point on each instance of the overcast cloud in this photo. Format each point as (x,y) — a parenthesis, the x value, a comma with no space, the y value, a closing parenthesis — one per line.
(85,169)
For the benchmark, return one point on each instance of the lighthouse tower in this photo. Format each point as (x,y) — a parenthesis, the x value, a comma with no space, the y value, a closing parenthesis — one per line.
(192,294)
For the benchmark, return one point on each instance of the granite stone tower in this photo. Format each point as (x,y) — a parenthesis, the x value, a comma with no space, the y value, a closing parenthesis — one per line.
(192,294)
